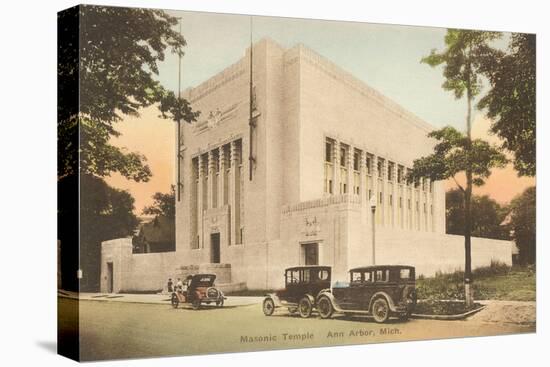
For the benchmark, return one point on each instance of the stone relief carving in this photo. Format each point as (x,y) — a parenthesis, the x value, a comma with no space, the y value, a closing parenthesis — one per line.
(311,227)
(216,117)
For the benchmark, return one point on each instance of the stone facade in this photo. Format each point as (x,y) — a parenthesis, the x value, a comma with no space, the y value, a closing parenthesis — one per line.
(325,147)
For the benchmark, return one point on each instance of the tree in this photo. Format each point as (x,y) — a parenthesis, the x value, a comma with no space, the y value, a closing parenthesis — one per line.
(159,234)
(117,55)
(487,216)
(524,224)
(163,205)
(511,101)
(105,213)
(461,60)
(107,60)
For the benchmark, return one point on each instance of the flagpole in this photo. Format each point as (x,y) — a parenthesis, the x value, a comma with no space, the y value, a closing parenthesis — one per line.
(251,120)
(179,119)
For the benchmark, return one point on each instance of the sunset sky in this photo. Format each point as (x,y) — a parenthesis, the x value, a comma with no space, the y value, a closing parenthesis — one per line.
(386,57)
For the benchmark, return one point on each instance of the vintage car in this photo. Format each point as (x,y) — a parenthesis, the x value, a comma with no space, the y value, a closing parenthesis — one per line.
(379,291)
(199,290)
(302,285)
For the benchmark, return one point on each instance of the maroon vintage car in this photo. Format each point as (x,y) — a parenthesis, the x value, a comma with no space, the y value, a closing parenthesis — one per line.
(199,290)
(379,291)
(302,285)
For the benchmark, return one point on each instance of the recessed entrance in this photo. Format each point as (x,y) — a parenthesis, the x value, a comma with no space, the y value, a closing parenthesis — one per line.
(215,248)
(110,277)
(310,253)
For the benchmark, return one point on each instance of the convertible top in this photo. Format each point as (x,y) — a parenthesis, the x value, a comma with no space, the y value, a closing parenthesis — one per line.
(203,280)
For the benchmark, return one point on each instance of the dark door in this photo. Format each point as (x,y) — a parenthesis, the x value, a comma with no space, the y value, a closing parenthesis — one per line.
(215,248)
(311,254)
(110,278)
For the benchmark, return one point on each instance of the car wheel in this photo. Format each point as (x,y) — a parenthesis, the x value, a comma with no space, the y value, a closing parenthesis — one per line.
(174,301)
(380,310)
(268,306)
(196,304)
(325,308)
(305,307)
(219,303)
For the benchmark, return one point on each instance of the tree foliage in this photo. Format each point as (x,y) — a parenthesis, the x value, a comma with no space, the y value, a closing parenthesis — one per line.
(524,224)
(511,101)
(453,155)
(164,204)
(462,59)
(487,216)
(104,212)
(118,54)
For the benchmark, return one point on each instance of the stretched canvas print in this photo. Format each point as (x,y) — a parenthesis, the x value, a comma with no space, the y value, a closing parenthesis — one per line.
(233,183)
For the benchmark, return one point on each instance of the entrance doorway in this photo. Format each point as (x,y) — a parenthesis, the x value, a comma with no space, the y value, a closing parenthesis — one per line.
(310,253)
(215,248)
(110,277)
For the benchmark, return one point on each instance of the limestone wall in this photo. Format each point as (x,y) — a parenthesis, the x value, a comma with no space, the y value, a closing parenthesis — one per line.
(431,253)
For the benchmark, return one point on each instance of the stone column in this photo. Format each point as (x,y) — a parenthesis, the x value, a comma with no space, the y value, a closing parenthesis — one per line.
(375,186)
(363,189)
(395,195)
(349,167)
(336,168)
(200,198)
(211,174)
(234,180)
(221,176)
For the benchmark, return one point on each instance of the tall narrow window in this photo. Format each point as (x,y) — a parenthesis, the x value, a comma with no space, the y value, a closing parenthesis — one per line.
(344,168)
(329,166)
(356,172)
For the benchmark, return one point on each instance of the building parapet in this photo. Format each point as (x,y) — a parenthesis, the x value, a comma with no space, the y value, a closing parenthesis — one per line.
(324,202)
(337,73)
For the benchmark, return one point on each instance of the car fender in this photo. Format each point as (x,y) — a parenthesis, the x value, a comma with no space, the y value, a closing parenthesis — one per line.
(275,299)
(332,299)
(386,297)
(311,299)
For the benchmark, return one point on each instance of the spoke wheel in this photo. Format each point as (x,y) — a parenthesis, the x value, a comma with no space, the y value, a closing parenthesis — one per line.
(175,302)
(325,308)
(196,304)
(305,307)
(268,306)
(380,310)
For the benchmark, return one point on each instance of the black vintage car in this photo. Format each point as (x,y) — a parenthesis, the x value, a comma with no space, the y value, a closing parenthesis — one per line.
(302,285)
(198,289)
(378,291)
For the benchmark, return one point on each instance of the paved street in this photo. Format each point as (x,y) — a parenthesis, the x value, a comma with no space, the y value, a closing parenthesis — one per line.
(111,330)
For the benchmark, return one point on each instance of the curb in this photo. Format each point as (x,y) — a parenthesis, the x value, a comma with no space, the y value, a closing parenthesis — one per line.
(460,316)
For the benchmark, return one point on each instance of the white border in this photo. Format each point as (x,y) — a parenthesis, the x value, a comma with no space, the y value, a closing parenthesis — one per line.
(28,184)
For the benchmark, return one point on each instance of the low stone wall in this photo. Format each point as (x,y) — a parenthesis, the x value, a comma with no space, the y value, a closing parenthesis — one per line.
(150,272)
(261,265)
(431,253)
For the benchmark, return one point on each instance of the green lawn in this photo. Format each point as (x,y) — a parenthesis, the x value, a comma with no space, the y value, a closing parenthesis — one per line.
(496,282)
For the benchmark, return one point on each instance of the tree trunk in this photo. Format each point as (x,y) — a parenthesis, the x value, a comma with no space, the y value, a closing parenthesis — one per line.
(468,281)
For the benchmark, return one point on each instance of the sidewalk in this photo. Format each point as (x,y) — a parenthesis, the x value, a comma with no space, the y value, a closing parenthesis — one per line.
(163,299)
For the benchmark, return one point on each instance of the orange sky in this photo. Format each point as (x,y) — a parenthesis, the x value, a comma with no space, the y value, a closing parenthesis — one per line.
(154,137)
